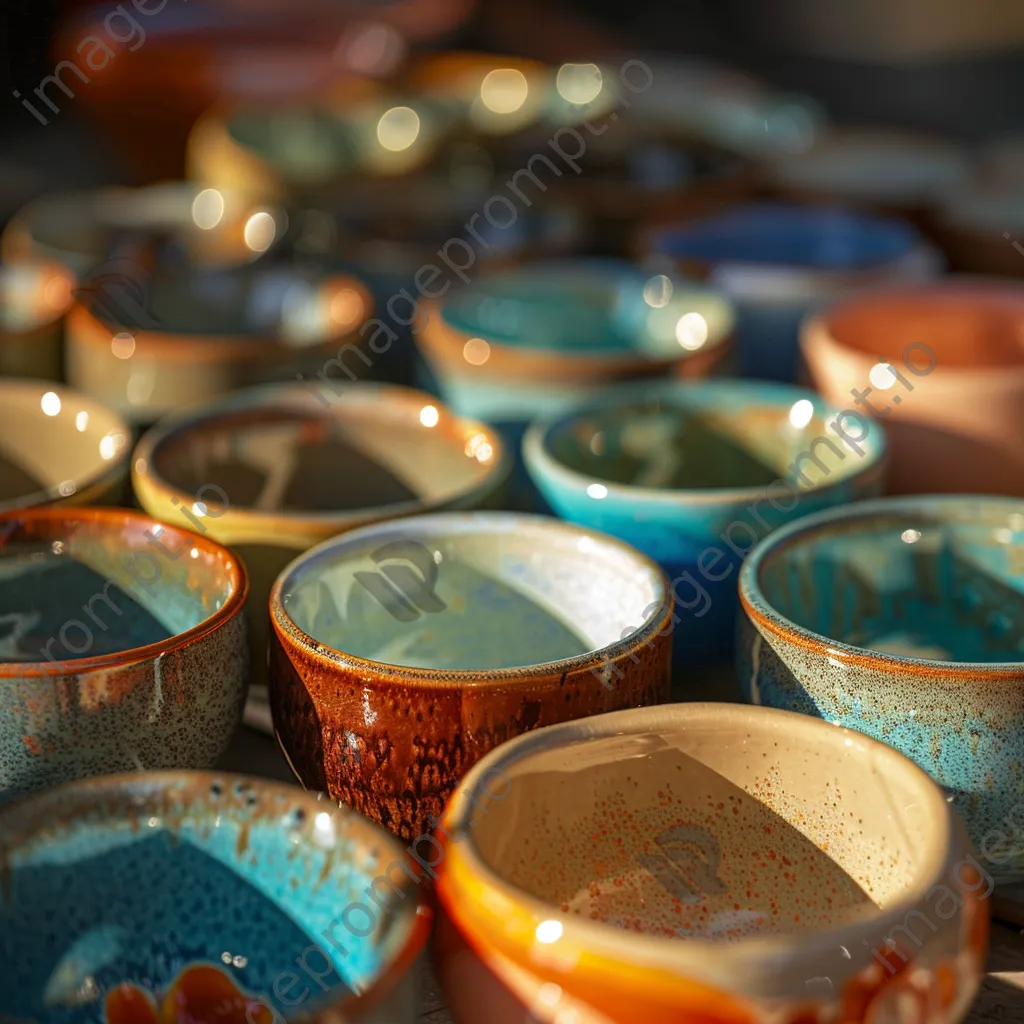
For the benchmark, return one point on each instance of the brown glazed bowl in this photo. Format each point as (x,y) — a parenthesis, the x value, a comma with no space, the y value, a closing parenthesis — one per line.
(982,229)
(404,652)
(943,366)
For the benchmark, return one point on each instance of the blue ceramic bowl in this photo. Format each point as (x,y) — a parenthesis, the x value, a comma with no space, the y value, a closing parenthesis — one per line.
(903,619)
(695,474)
(189,890)
(777,262)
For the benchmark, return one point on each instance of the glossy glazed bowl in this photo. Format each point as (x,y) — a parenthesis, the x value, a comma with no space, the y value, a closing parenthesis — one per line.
(403,652)
(982,229)
(707,862)
(943,365)
(58,447)
(694,474)
(899,618)
(775,262)
(207,334)
(141,623)
(164,896)
(34,296)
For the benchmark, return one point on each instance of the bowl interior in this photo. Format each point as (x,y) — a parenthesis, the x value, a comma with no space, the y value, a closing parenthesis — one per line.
(185,886)
(934,582)
(32,294)
(713,826)
(476,593)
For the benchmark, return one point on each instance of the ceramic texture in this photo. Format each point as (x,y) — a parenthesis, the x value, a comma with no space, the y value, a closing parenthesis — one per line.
(776,262)
(34,296)
(402,653)
(96,922)
(124,646)
(898,618)
(58,447)
(706,862)
(694,475)
(951,387)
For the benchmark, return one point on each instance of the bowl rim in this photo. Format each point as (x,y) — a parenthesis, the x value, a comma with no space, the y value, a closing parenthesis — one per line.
(110,518)
(361,828)
(766,618)
(540,460)
(524,676)
(52,270)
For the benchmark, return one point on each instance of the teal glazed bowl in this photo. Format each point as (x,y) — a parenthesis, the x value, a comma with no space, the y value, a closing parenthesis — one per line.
(191,896)
(903,619)
(694,474)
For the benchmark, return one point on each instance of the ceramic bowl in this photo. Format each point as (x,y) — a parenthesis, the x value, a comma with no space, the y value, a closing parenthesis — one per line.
(693,474)
(403,652)
(982,229)
(775,262)
(206,334)
(34,297)
(58,447)
(899,618)
(125,646)
(168,896)
(942,365)
(706,862)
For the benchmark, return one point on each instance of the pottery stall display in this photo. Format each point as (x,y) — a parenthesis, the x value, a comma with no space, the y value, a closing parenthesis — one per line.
(942,366)
(404,652)
(694,474)
(34,297)
(902,619)
(777,261)
(982,228)
(706,862)
(124,648)
(168,896)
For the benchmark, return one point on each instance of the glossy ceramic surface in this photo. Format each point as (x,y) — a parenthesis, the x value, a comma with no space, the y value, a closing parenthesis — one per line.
(160,897)
(34,296)
(405,651)
(776,261)
(707,862)
(943,365)
(58,447)
(124,646)
(694,475)
(898,618)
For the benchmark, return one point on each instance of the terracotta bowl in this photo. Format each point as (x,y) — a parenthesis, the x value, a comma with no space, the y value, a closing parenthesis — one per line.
(198,896)
(58,447)
(707,862)
(943,365)
(403,652)
(34,297)
(142,623)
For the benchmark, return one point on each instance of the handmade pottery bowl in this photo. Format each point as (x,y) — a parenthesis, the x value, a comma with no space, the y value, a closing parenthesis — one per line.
(275,470)
(982,229)
(205,334)
(901,619)
(706,862)
(694,474)
(160,897)
(403,652)
(58,447)
(34,297)
(142,623)
(943,365)
(776,261)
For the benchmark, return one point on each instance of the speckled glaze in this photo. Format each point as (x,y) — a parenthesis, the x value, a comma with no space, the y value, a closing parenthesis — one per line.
(693,475)
(706,862)
(114,688)
(34,296)
(900,618)
(392,740)
(201,896)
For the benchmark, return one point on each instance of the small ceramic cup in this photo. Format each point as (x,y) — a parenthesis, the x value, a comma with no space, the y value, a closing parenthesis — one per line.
(142,623)
(167,896)
(403,652)
(34,298)
(982,228)
(942,365)
(901,618)
(775,262)
(58,447)
(694,474)
(706,862)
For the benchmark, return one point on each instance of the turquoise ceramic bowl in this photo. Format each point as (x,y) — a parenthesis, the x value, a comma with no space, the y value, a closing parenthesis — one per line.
(695,474)
(903,619)
(151,898)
